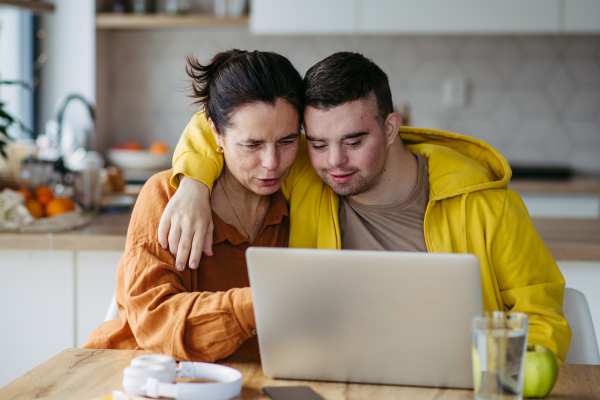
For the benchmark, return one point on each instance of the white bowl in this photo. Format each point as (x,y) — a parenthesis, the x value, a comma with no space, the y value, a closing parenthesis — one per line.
(139,159)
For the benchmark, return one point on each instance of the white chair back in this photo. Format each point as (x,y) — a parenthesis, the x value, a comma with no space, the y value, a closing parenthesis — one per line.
(584,344)
(113,310)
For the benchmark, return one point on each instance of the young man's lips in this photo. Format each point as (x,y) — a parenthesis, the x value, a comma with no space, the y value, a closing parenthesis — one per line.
(269,182)
(342,178)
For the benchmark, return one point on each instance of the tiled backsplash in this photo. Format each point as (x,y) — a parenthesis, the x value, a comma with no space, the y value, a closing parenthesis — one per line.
(535,98)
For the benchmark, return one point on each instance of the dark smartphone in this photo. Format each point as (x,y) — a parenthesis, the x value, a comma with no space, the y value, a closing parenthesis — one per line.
(291,393)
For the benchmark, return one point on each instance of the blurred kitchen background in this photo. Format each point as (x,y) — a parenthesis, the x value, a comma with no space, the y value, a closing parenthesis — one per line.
(103,103)
(528,86)
(536,98)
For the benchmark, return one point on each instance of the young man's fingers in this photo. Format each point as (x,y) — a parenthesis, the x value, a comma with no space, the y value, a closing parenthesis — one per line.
(163,230)
(183,250)
(174,235)
(208,240)
(196,251)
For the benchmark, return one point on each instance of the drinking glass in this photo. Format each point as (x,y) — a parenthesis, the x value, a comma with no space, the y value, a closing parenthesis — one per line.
(499,344)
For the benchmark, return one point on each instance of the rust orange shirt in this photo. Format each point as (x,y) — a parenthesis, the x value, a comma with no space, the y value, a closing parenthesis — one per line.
(195,315)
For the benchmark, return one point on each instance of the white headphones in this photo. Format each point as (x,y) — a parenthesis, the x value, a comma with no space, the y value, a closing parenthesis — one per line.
(154,376)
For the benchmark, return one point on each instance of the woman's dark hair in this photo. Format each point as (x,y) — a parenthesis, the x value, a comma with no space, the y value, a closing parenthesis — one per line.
(343,77)
(235,78)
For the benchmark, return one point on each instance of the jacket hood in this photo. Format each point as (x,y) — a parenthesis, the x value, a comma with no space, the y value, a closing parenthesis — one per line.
(457,164)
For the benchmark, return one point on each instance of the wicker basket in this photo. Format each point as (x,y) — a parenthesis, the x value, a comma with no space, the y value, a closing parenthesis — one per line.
(61,222)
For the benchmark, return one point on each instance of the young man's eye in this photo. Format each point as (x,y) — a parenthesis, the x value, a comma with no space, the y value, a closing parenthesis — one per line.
(353,144)
(318,146)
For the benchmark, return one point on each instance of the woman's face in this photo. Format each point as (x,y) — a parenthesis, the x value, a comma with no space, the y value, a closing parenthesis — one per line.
(261,144)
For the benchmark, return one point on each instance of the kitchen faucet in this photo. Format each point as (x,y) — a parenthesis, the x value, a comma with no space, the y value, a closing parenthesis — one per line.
(89,140)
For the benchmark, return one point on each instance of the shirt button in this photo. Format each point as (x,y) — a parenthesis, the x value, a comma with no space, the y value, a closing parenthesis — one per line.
(254,331)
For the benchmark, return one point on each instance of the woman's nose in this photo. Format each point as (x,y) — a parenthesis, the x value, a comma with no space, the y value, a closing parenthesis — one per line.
(270,159)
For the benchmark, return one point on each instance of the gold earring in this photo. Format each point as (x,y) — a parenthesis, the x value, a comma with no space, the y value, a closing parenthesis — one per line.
(219,150)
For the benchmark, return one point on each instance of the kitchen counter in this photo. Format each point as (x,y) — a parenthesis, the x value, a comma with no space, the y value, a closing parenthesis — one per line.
(90,374)
(578,184)
(570,239)
(106,232)
(567,239)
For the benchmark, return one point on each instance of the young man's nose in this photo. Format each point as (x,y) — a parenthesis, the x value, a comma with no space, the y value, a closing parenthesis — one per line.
(336,157)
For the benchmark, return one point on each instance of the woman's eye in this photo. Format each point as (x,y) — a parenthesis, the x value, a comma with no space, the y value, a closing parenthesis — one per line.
(287,142)
(252,146)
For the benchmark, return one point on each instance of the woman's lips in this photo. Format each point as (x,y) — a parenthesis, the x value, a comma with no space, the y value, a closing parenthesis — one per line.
(268,182)
(342,178)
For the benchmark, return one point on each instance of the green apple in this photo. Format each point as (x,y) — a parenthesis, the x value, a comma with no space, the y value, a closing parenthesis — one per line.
(541,371)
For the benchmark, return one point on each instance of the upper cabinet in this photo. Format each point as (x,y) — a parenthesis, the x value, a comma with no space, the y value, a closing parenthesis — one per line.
(582,16)
(459,16)
(303,17)
(316,17)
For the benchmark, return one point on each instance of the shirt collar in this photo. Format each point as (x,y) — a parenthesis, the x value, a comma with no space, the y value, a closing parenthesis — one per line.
(275,214)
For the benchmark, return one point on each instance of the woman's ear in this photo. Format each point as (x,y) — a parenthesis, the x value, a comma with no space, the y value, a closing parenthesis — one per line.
(216,134)
(392,123)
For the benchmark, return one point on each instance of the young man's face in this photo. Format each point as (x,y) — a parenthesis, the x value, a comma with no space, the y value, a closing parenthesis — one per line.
(347,146)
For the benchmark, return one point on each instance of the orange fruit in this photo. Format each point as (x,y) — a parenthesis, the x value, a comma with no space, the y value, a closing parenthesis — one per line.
(159,147)
(25,193)
(35,209)
(43,195)
(132,145)
(58,206)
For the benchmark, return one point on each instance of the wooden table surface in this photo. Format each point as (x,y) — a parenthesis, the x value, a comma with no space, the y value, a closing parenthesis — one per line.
(84,374)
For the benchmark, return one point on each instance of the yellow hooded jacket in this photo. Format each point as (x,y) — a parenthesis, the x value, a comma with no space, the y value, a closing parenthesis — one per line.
(470,210)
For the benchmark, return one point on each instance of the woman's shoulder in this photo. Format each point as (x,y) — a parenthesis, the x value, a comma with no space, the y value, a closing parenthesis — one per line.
(150,205)
(159,185)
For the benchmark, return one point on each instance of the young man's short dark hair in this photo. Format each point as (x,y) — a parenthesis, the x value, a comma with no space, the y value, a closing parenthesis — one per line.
(343,77)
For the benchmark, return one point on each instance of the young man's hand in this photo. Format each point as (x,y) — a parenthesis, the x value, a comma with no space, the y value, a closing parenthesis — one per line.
(186,226)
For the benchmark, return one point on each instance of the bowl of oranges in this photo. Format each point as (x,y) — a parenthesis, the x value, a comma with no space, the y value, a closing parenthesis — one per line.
(42,203)
(50,213)
(132,156)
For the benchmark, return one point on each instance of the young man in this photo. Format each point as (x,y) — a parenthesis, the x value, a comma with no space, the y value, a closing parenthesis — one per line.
(365,182)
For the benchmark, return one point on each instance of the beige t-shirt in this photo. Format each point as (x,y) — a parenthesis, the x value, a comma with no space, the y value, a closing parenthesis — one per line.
(397,227)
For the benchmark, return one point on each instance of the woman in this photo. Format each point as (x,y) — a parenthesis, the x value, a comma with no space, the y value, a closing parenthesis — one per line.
(252,104)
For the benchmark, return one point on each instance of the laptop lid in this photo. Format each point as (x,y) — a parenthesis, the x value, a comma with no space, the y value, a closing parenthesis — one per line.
(398,318)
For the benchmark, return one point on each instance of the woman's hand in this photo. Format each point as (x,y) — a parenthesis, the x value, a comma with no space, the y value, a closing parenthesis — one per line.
(186,226)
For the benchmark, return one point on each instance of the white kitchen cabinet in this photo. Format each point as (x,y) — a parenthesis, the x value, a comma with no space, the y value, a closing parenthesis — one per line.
(303,17)
(585,277)
(582,16)
(95,287)
(459,16)
(36,312)
(318,17)
(562,206)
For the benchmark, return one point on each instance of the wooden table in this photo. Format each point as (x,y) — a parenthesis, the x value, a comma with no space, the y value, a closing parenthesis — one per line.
(83,374)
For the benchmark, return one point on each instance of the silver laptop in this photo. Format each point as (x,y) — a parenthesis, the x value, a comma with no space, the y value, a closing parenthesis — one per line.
(383,317)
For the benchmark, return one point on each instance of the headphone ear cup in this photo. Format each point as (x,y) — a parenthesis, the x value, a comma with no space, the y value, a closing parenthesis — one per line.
(154,375)
(135,377)
(154,359)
